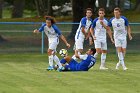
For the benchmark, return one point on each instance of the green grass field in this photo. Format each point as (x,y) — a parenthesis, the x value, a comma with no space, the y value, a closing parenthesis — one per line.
(25,73)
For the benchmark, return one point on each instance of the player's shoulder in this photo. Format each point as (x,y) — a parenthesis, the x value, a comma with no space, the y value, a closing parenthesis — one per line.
(96,19)
(43,24)
(105,19)
(112,18)
(123,17)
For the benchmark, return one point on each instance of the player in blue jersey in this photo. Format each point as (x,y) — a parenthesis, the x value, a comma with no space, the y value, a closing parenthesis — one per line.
(83,31)
(121,27)
(87,62)
(98,31)
(53,34)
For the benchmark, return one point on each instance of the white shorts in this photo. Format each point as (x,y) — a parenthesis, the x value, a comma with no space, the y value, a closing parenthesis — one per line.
(53,46)
(100,44)
(121,43)
(79,44)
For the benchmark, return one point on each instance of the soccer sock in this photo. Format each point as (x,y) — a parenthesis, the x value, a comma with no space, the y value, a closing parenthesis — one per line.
(95,55)
(103,58)
(56,59)
(79,53)
(51,60)
(121,59)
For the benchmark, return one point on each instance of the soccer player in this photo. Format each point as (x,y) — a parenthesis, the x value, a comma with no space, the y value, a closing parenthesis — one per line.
(98,31)
(87,62)
(53,34)
(121,27)
(82,31)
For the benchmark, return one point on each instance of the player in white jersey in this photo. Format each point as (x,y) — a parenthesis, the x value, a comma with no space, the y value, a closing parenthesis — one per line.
(53,34)
(83,31)
(98,31)
(121,27)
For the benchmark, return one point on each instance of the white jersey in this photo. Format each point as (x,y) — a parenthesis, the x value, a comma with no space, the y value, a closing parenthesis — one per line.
(99,30)
(83,23)
(52,32)
(119,27)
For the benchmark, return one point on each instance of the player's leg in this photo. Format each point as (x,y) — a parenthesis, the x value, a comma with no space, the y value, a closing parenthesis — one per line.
(78,46)
(55,57)
(50,55)
(97,47)
(103,55)
(124,45)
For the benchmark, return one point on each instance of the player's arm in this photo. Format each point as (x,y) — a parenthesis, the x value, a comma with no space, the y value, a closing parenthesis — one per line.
(92,33)
(129,32)
(110,34)
(61,36)
(83,31)
(40,29)
(65,41)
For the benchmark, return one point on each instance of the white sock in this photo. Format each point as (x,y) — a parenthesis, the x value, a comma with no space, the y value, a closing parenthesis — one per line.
(56,59)
(51,60)
(75,58)
(103,58)
(95,55)
(121,59)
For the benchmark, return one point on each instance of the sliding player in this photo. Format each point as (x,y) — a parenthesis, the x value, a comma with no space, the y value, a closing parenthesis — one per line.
(87,62)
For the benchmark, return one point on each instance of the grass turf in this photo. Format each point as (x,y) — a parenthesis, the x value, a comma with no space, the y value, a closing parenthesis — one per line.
(25,73)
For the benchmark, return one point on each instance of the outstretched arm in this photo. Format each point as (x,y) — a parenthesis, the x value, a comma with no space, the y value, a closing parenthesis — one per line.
(65,41)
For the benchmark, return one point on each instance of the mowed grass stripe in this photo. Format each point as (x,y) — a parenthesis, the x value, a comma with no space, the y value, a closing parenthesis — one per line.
(19,75)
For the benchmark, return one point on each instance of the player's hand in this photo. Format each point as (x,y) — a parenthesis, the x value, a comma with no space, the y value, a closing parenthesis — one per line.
(90,42)
(68,45)
(113,42)
(130,37)
(35,31)
(101,22)
(94,37)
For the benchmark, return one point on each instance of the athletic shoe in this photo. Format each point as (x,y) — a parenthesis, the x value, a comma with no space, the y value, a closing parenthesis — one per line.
(61,69)
(117,66)
(49,68)
(125,68)
(103,68)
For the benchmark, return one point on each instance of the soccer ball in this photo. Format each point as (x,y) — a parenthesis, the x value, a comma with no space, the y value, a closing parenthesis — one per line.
(63,52)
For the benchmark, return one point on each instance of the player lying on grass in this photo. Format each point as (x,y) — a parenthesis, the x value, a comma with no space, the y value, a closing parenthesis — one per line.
(87,62)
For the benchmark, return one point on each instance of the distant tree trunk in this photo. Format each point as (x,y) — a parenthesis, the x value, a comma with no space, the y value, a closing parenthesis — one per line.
(121,4)
(112,5)
(18,8)
(137,6)
(44,7)
(102,3)
(1,5)
(78,9)
(40,5)
(50,11)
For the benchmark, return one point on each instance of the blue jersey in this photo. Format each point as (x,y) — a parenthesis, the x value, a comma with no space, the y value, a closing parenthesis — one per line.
(87,62)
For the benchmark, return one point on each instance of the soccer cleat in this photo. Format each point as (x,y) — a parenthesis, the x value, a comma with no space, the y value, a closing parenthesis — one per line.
(117,66)
(103,68)
(61,69)
(49,68)
(125,68)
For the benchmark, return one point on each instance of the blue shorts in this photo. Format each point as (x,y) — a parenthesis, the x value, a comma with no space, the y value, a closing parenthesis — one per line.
(72,66)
